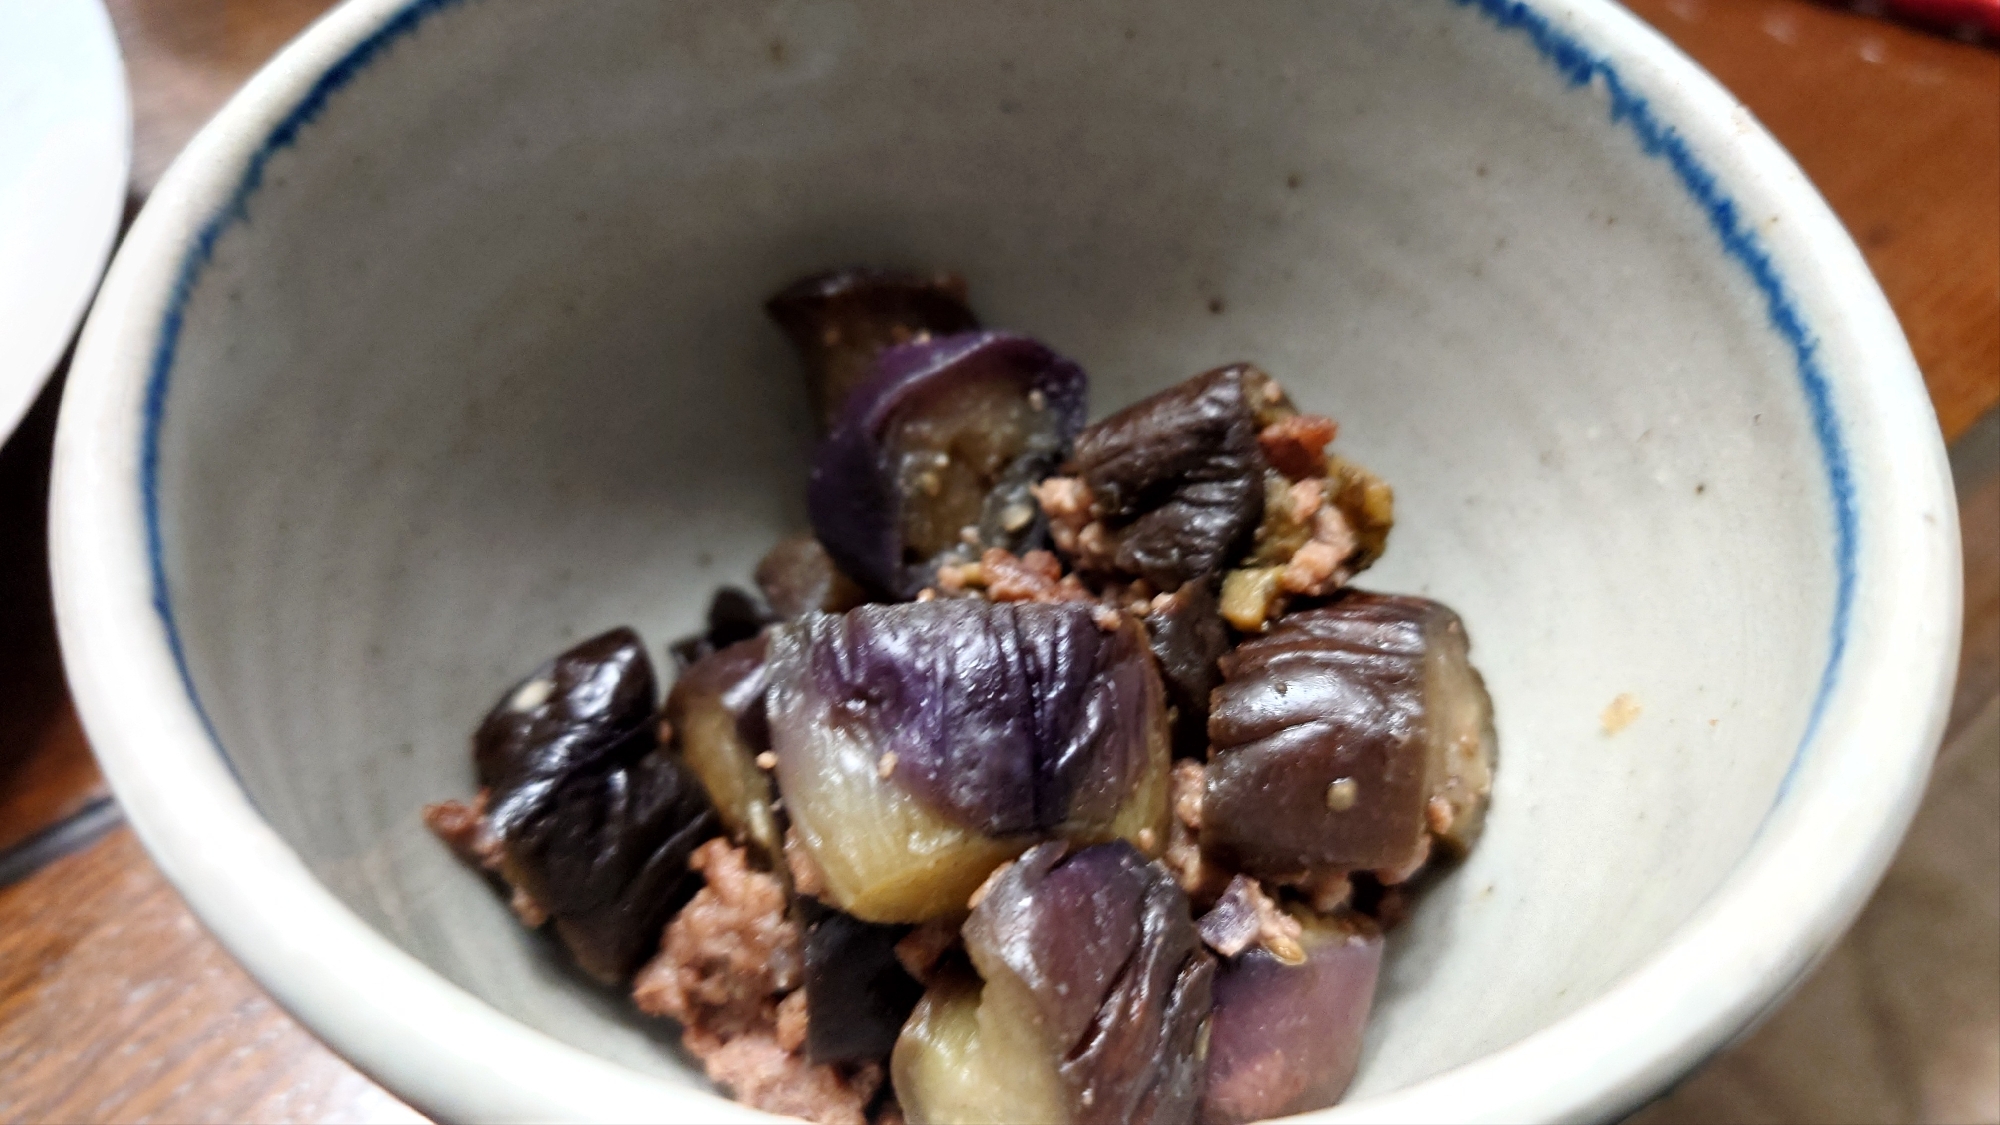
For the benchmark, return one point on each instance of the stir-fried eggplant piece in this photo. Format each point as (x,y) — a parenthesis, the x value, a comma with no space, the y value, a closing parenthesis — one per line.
(733,616)
(716,710)
(1285,1034)
(1348,738)
(933,457)
(596,823)
(1096,989)
(1170,488)
(1188,639)
(920,745)
(840,321)
(857,992)
(797,577)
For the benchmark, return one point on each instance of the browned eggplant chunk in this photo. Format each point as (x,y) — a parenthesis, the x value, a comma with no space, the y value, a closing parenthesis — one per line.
(1285,1033)
(1095,993)
(840,321)
(716,712)
(1188,638)
(1174,483)
(1348,738)
(596,823)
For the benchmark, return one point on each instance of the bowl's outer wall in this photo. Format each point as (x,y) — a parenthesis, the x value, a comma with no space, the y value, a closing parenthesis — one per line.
(480,368)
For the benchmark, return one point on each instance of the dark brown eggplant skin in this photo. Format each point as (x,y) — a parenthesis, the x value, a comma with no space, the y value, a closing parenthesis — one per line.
(733,616)
(1101,943)
(1178,478)
(1351,693)
(1188,639)
(595,821)
(841,320)
(1286,1038)
(798,577)
(857,992)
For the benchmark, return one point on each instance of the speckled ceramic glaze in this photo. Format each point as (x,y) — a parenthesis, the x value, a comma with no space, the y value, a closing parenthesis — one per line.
(442,347)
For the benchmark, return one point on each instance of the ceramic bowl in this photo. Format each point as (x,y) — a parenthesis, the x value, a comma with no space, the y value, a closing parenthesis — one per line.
(442,347)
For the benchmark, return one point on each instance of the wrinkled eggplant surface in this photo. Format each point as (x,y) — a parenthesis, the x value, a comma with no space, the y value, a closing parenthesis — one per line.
(1178,478)
(1347,739)
(840,321)
(1094,996)
(941,736)
(919,745)
(1285,1038)
(597,824)
(933,456)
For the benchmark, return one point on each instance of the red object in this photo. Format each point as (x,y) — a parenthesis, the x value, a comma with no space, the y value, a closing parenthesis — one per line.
(1970,19)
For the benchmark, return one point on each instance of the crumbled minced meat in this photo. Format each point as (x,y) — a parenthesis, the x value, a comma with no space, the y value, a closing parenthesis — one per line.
(759,1072)
(1203,881)
(729,969)
(921,948)
(463,827)
(729,955)
(1296,446)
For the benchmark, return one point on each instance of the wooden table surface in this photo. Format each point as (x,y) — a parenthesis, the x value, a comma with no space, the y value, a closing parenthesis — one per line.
(115,1004)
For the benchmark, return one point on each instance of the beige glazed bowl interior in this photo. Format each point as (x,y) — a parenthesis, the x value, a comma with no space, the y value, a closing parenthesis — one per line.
(443,347)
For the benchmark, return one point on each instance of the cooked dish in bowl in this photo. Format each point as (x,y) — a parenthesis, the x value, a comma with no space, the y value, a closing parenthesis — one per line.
(1059,774)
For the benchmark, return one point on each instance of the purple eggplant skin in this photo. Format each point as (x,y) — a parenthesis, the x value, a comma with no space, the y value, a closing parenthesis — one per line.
(857,992)
(1348,738)
(1098,947)
(840,321)
(1178,478)
(1006,718)
(921,744)
(1188,638)
(1286,1039)
(596,823)
(946,434)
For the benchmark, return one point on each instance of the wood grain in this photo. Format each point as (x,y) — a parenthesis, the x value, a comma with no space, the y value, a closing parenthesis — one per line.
(1900,130)
(116,1006)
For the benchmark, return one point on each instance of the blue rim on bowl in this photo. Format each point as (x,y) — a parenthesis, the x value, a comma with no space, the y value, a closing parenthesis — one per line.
(464,1059)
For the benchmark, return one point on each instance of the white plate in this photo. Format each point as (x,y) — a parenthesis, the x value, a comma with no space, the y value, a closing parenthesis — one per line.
(65,147)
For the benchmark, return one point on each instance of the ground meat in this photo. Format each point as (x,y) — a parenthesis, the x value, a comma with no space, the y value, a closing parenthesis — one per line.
(1324,563)
(1247,916)
(729,956)
(729,970)
(463,828)
(921,948)
(1074,524)
(1203,881)
(1296,446)
(758,1071)
(1005,577)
